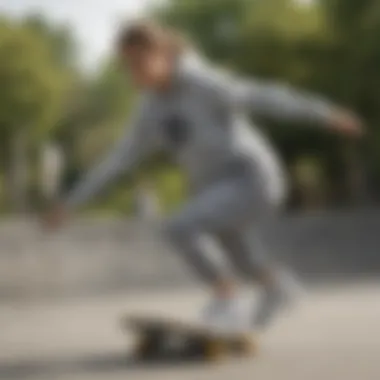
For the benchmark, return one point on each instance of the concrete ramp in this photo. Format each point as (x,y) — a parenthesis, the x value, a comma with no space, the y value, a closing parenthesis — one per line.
(333,335)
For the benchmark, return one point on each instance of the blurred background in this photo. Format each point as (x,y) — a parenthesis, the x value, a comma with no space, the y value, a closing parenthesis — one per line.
(64,101)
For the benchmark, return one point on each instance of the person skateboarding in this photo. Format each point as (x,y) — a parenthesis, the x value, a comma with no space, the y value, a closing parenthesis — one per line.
(199,115)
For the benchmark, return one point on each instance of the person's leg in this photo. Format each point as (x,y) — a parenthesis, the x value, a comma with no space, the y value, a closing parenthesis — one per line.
(251,259)
(236,209)
(221,207)
(247,254)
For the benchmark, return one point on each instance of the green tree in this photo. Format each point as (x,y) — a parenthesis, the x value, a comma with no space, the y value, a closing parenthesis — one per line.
(353,61)
(32,87)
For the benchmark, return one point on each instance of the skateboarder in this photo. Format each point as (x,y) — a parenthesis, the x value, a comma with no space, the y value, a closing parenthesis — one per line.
(199,114)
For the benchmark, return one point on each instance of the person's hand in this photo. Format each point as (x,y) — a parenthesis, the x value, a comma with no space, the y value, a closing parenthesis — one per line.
(347,123)
(55,217)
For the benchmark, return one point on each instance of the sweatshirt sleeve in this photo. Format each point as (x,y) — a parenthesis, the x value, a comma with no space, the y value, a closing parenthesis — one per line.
(271,100)
(136,143)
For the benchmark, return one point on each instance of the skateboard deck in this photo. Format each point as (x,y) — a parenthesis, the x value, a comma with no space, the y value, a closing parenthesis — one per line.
(165,336)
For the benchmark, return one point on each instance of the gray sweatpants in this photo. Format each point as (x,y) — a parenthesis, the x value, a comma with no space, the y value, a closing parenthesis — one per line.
(232,213)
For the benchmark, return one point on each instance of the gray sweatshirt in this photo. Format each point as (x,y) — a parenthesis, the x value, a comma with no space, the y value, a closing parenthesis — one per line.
(202,121)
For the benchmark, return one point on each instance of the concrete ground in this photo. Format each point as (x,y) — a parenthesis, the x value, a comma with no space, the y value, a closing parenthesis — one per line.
(334,335)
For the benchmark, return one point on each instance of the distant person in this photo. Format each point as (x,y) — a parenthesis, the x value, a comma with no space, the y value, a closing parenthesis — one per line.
(199,115)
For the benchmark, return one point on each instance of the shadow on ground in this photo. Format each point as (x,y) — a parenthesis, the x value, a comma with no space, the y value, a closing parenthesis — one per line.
(105,363)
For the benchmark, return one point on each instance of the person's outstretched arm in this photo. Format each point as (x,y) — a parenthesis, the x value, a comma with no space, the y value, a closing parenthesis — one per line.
(281,102)
(270,100)
(284,103)
(132,147)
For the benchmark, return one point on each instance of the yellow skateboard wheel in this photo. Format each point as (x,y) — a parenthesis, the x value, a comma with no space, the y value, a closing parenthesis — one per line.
(215,350)
(247,346)
(142,348)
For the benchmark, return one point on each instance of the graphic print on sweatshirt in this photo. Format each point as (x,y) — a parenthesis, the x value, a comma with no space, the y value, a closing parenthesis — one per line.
(176,131)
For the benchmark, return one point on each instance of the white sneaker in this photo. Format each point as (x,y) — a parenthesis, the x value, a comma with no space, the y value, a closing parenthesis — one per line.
(226,315)
(275,300)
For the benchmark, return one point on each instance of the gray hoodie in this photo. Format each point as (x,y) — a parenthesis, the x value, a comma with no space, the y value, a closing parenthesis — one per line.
(202,122)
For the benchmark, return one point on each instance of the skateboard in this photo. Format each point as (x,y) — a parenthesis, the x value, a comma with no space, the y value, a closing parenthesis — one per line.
(158,337)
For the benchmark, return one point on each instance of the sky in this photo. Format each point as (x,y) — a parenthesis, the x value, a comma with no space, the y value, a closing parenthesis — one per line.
(94,21)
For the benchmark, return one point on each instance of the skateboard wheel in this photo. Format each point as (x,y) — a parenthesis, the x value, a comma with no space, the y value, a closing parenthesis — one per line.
(143,349)
(215,350)
(246,346)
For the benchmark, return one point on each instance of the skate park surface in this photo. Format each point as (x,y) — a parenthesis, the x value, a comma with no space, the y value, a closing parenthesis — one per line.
(61,299)
(334,333)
